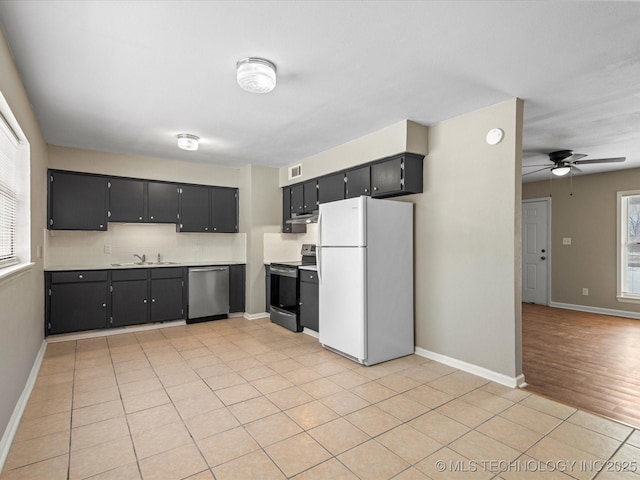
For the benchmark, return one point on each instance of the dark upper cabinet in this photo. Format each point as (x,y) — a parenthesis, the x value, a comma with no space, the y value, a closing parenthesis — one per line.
(76,301)
(358,182)
(162,202)
(399,175)
(126,200)
(194,209)
(286,214)
(77,201)
(224,210)
(309,299)
(297,198)
(167,294)
(331,188)
(310,191)
(129,297)
(236,288)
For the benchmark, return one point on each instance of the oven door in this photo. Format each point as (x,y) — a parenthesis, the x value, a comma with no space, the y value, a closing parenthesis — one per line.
(284,297)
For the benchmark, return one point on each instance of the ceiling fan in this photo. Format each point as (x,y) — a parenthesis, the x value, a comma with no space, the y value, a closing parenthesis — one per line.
(565,161)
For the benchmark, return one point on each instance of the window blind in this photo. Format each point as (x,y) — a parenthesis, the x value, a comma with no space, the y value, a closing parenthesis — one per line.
(8,194)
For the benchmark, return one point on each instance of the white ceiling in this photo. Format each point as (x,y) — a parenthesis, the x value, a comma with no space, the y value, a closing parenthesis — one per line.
(127,76)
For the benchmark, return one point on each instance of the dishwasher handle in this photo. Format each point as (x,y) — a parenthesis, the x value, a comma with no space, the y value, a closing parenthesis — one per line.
(209,269)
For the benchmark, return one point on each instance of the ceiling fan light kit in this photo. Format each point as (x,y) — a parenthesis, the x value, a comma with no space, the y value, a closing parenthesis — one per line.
(187,141)
(256,75)
(561,171)
(565,161)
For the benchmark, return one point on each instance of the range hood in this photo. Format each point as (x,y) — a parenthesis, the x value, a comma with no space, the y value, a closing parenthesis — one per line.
(303,218)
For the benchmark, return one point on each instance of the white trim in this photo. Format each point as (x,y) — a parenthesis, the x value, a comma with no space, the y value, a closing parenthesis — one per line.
(311,333)
(601,311)
(65,337)
(14,421)
(235,315)
(506,380)
(13,272)
(549,255)
(256,316)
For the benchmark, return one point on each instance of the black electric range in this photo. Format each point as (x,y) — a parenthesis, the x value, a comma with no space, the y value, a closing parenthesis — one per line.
(285,289)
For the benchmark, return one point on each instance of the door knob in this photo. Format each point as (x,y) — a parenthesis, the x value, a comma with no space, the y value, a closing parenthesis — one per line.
(543,258)
(543,250)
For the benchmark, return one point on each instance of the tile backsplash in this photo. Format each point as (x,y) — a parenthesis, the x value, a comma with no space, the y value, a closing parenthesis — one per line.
(76,248)
(283,247)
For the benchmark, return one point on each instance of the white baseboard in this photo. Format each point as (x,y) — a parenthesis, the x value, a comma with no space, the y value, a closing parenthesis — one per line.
(311,333)
(65,337)
(512,382)
(255,316)
(236,315)
(14,421)
(602,311)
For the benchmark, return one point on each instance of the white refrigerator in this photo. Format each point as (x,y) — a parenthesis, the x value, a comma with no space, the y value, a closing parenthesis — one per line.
(365,274)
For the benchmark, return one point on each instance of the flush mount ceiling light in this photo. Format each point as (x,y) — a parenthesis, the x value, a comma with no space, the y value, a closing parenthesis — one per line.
(187,141)
(256,75)
(561,171)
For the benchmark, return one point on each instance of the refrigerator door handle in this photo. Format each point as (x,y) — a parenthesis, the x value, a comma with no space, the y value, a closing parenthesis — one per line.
(319,247)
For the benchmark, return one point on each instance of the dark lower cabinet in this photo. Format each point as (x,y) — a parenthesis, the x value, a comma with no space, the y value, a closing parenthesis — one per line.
(236,288)
(76,301)
(129,297)
(167,294)
(77,201)
(309,299)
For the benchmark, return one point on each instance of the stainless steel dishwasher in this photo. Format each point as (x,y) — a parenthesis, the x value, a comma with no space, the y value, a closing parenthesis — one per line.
(208,293)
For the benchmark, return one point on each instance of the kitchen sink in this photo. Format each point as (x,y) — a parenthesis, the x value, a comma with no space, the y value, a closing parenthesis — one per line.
(141,264)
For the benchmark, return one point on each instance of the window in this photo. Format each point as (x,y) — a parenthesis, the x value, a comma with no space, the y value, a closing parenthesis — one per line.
(8,194)
(15,215)
(629,246)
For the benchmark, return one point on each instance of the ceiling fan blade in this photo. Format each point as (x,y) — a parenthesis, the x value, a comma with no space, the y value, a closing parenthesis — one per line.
(601,160)
(575,157)
(542,165)
(536,171)
(575,169)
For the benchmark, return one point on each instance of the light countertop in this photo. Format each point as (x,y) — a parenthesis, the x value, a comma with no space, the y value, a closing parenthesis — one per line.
(121,266)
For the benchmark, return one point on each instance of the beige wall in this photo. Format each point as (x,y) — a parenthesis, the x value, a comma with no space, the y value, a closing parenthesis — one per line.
(260,215)
(404,136)
(22,297)
(467,234)
(584,209)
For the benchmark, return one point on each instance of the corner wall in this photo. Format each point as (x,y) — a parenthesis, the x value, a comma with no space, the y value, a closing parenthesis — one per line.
(22,296)
(584,209)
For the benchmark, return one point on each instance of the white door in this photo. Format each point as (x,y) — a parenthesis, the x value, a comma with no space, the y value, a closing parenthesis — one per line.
(342,223)
(341,293)
(535,251)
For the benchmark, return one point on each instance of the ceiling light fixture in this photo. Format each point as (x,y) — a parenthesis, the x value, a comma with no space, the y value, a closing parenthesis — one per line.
(187,141)
(561,171)
(256,75)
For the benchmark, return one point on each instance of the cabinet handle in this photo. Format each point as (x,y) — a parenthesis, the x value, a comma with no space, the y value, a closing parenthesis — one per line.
(80,276)
(311,276)
(104,305)
(144,301)
(206,228)
(214,229)
(366,190)
(153,300)
(101,225)
(375,188)
(150,217)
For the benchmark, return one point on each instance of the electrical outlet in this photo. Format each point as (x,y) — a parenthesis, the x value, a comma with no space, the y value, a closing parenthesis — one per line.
(585,291)
(566,241)
(107,249)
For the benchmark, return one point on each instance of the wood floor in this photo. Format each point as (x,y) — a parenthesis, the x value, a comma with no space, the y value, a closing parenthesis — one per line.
(585,360)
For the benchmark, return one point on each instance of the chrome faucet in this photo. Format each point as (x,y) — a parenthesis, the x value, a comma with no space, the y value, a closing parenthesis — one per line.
(142,258)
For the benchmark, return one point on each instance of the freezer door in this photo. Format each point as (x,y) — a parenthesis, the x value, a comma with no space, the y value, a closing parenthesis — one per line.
(342,313)
(342,223)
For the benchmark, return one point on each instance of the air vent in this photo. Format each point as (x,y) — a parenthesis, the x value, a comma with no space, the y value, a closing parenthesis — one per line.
(295,171)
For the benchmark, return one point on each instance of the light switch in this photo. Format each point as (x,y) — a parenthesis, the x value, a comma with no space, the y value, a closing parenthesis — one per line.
(566,240)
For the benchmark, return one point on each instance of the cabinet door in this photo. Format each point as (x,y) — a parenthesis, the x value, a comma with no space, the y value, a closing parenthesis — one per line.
(77,201)
(126,200)
(224,210)
(236,288)
(194,209)
(267,289)
(297,198)
(331,188)
(358,182)
(129,303)
(74,307)
(386,177)
(162,202)
(286,214)
(167,299)
(310,196)
(309,305)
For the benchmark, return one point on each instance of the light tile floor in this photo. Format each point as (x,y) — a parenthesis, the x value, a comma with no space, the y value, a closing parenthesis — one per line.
(239,399)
